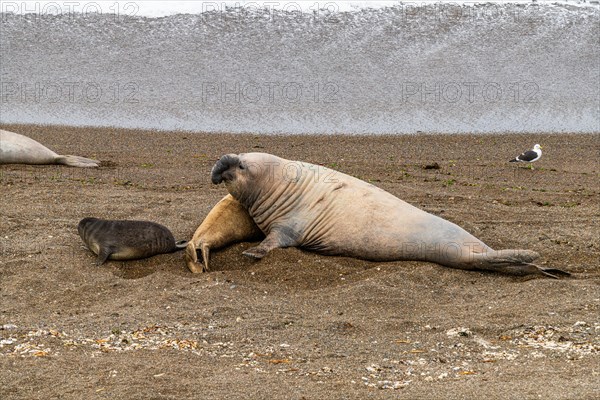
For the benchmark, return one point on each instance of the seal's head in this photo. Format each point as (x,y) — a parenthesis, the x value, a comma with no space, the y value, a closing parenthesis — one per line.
(245,174)
(227,169)
(84,223)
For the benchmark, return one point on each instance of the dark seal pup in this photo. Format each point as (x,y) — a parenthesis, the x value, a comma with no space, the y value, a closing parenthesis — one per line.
(126,240)
(298,204)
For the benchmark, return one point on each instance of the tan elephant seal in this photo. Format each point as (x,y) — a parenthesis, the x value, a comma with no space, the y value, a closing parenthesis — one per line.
(126,240)
(228,222)
(298,204)
(19,149)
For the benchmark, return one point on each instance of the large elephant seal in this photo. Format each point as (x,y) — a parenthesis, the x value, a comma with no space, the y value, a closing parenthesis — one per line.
(319,209)
(19,149)
(126,240)
(228,222)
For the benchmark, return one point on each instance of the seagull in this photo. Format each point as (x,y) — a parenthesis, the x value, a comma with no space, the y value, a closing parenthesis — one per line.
(530,155)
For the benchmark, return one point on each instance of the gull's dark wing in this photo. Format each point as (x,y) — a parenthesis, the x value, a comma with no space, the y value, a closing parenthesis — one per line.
(528,155)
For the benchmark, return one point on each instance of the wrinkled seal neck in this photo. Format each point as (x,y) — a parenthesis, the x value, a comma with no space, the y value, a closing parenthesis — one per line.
(247,195)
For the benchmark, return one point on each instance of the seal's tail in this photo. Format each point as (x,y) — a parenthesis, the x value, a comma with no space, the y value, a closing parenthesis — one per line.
(516,262)
(76,161)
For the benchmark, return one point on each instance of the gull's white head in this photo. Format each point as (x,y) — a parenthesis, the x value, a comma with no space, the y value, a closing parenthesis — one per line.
(537,147)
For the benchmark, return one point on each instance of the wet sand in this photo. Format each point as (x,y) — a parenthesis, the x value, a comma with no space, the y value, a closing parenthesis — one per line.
(295,324)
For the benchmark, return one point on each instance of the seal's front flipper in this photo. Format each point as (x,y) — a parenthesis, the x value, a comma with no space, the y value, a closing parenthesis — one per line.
(259,251)
(274,240)
(103,255)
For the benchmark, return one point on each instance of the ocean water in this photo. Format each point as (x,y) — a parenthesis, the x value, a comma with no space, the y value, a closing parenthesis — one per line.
(303,67)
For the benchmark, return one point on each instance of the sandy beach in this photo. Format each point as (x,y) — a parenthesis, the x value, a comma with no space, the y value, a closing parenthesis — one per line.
(297,325)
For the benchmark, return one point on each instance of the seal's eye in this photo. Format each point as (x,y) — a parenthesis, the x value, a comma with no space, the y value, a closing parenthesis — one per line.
(241,166)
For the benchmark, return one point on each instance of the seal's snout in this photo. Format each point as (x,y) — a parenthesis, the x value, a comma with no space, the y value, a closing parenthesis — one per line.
(219,170)
(85,222)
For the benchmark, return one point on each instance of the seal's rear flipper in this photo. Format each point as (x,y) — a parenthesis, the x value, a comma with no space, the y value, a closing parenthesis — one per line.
(205,256)
(554,272)
(515,262)
(76,161)
(532,269)
(191,259)
(181,244)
